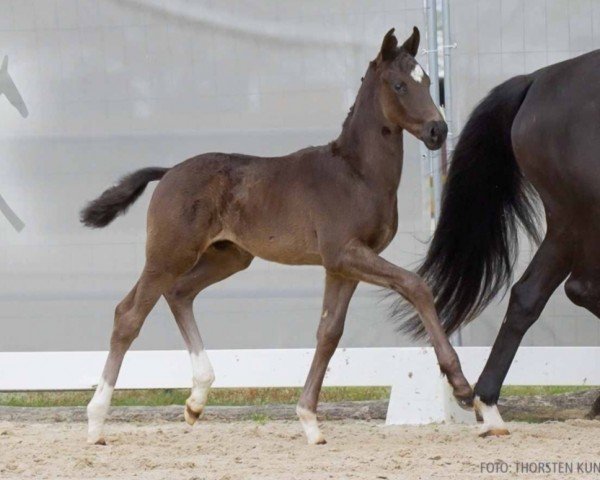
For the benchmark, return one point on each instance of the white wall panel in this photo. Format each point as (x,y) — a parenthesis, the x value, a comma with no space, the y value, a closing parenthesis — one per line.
(116,85)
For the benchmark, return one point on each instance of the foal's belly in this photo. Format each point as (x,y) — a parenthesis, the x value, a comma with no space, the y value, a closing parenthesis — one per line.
(294,238)
(278,247)
(282,235)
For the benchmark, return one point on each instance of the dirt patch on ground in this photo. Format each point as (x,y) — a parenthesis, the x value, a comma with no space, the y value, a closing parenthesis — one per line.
(533,408)
(277,450)
(263,442)
(540,408)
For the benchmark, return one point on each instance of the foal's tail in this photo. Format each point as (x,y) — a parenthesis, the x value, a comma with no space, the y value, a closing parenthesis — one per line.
(116,200)
(474,247)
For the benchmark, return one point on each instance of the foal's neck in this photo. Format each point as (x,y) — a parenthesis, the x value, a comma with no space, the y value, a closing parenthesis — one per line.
(369,142)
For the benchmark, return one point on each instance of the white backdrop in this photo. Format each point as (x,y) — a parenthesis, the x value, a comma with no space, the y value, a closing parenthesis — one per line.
(113,86)
(116,85)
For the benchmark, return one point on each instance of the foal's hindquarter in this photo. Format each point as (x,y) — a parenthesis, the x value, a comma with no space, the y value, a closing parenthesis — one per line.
(333,205)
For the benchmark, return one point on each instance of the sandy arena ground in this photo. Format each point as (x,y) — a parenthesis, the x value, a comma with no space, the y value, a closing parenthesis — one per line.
(277,450)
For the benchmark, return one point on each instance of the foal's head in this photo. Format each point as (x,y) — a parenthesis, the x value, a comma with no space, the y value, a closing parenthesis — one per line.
(404,91)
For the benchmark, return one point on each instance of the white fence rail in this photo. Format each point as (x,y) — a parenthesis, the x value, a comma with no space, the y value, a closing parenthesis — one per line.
(419,394)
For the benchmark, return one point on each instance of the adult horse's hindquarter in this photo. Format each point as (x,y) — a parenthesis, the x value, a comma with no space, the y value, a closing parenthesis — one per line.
(543,131)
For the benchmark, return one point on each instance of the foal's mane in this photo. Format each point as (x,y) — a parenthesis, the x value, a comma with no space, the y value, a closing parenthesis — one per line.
(348,117)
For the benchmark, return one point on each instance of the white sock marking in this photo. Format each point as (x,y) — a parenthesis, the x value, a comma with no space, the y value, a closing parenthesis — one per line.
(492,420)
(417,73)
(308,420)
(202,377)
(97,410)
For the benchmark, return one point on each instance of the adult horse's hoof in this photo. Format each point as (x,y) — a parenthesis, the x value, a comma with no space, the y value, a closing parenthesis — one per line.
(495,432)
(493,425)
(192,413)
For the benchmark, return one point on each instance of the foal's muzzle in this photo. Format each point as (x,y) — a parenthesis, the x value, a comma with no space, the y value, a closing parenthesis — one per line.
(434,134)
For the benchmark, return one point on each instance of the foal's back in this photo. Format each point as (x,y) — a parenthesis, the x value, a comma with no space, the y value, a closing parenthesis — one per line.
(273,207)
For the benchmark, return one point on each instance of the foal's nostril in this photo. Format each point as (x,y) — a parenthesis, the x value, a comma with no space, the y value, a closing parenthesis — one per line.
(435,133)
(443,129)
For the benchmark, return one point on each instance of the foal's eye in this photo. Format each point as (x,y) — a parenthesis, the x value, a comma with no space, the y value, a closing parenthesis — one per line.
(400,88)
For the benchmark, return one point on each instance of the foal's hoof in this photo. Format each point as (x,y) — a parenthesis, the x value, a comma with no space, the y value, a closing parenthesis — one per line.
(192,415)
(97,441)
(308,420)
(494,432)
(464,397)
(316,438)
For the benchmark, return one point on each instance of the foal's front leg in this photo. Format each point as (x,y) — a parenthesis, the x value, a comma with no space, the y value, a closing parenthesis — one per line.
(338,292)
(361,263)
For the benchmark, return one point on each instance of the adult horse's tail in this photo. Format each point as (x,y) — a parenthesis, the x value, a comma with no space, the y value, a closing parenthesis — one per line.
(116,200)
(474,247)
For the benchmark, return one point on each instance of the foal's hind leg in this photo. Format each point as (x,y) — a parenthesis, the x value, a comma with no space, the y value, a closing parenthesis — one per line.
(129,317)
(157,278)
(549,267)
(216,264)
(338,292)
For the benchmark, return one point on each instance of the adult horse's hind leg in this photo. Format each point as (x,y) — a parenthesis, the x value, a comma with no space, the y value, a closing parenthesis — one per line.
(583,286)
(217,263)
(338,292)
(549,267)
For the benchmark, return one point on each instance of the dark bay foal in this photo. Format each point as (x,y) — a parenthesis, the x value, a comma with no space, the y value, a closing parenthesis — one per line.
(333,205)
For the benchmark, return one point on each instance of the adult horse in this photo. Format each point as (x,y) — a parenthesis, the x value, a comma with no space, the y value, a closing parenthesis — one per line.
(333,205)
(539,130)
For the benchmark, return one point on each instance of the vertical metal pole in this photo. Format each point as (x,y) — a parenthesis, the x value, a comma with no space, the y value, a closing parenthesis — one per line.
(457,337)
(448,76)
(432,58)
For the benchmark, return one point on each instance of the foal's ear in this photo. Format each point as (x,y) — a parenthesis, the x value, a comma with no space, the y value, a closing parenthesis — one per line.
(389,47)
(412,43)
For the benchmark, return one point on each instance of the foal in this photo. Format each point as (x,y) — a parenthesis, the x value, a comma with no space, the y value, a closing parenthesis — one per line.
(333,205)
